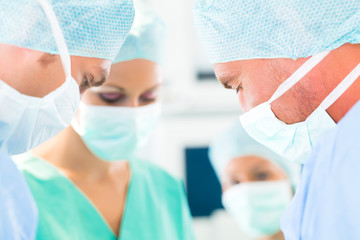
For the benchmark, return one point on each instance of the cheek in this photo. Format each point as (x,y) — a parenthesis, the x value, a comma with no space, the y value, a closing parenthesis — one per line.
(76,73)
(252,94)
(91,98)
(258,88)
(243,102)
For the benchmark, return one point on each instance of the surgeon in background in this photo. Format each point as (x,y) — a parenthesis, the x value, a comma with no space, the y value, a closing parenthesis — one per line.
(86,182)
(295,66)
(44,60)
(257,183)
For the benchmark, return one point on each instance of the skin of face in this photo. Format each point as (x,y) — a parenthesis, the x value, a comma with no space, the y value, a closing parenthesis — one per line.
(36,73)
(132,83)
(256,80)
(251,168)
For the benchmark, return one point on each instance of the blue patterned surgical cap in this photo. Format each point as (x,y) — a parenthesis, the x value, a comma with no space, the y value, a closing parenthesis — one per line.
(91,28)
(147,37)
(247,29)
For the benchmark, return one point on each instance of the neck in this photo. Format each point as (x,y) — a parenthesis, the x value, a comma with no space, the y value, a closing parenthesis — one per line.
(345,60)
(277,236)
(68,152)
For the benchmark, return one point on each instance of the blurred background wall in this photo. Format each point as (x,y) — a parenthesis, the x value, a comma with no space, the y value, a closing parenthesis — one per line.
(196,108)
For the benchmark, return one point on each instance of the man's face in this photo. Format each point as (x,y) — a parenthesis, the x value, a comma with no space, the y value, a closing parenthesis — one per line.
(256,81)
(36,73)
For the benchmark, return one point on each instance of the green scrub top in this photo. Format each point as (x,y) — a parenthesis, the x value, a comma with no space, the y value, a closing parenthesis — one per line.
(155,208)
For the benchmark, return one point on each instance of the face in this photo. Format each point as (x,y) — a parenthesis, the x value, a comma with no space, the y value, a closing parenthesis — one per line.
(251,169)
(36,73)
(256,81)
(132,83)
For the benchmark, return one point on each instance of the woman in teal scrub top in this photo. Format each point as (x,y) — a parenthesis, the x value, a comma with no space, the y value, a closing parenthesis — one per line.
(87,182)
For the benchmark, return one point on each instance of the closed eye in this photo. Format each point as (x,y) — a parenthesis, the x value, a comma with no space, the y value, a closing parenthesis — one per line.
(112,97)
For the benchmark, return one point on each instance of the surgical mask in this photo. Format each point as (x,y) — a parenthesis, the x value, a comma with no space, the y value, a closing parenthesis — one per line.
(27,121)
(116,133)
(294,141)
(257,206)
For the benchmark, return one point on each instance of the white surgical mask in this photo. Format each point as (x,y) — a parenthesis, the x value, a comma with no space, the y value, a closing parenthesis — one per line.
(116,133)
(26,121)
(294,141)
(257,206)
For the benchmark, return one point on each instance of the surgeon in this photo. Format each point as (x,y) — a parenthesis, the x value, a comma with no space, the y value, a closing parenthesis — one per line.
(86,181)
(49,52)
(295,67)
(257,183)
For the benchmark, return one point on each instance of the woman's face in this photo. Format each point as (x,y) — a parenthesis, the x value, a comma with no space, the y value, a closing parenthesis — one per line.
(132,83)
(251,169)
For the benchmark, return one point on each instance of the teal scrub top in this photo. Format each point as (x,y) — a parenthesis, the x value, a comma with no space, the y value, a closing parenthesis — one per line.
(155,208)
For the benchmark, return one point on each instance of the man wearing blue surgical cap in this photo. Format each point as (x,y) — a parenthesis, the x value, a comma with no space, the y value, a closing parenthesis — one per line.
(50,52)
(295,67)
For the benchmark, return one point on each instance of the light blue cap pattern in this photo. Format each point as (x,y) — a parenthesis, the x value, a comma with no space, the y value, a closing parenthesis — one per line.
(235,142)
(147,37)
(95,28)
(247,29)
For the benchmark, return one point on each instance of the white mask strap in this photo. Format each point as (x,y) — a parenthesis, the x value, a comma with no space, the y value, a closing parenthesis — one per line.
(341,88)
(298,75)
(58,36)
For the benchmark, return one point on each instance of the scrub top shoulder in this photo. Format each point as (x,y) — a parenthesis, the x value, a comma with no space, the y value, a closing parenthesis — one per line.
(18,218)
(155,206)
(326,204)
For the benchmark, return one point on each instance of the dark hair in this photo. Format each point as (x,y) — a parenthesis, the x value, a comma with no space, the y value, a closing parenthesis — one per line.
(46,59)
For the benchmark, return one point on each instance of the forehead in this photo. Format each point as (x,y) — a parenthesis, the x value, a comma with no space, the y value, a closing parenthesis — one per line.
(133,73)
(230,71)
(246,164)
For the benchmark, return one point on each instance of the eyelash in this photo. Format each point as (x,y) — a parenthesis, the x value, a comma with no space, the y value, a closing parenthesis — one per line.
(84,85)
(111,100)
(146,100)
(238,88)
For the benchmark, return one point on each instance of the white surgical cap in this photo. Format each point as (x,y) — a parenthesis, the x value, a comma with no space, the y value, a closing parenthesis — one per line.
(246,29)
(91,28)
(235,142)
(147,36)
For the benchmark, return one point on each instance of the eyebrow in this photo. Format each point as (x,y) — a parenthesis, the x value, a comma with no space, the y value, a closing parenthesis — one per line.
(153,87)
(102,72)
(225,81)
(97,84)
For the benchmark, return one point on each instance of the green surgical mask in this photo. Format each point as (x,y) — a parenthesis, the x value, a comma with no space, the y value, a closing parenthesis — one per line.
(116,133)
(258,206)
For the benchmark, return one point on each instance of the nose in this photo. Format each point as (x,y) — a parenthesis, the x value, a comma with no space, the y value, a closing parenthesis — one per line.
(134,103)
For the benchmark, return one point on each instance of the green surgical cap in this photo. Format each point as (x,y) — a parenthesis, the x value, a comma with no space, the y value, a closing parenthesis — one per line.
(147,36)
(91,28)
(235,142)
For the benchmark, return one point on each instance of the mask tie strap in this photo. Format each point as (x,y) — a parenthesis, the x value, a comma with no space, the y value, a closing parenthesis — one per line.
(298,75)
(341,88)
(58,36)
